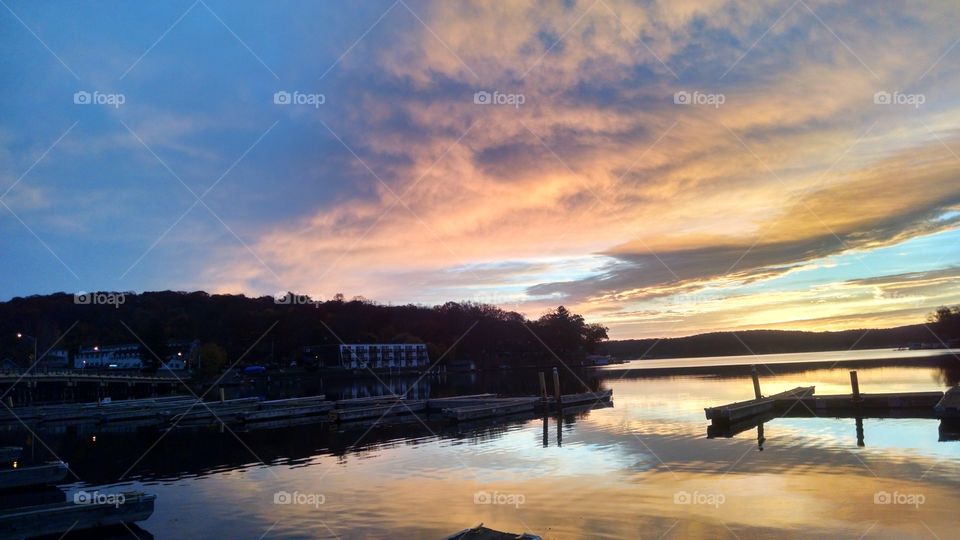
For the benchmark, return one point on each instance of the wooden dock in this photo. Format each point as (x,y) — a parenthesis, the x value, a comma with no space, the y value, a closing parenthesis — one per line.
(733,418)
(188,411)
(398,407)
(740,410)
(490,408)
(55,518)
(37,475)
(586,398)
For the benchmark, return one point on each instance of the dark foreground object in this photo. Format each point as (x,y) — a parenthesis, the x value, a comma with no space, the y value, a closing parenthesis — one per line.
(46,519)
(38,475)
(482,533)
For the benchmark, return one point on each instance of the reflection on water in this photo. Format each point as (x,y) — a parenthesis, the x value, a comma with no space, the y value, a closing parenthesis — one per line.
(641,469)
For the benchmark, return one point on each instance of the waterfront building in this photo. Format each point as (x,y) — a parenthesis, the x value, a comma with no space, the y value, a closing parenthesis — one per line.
(375,356)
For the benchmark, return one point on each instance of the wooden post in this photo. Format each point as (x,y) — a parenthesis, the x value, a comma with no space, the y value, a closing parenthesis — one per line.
(222,395)
(10,401)
(756,382)
(556,388)
(543,387)
(855,385)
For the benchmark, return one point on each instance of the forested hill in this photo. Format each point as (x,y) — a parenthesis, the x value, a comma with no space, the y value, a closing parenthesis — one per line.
(769,342)
(275,331)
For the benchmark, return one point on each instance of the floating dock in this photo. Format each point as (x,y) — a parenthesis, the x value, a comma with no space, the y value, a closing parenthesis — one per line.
(55,518)
(187,411)
(38,475)
(740,410)
(801,402)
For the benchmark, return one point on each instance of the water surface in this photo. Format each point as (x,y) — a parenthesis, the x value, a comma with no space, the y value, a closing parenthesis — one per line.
(641,469)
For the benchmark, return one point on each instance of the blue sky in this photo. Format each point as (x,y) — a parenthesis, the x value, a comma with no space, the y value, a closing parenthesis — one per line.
(809,180)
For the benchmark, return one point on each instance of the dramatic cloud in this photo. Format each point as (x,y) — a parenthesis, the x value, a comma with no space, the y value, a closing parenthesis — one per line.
(665,167)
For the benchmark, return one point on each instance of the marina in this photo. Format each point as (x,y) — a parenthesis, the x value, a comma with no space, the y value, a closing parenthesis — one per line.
(607,451)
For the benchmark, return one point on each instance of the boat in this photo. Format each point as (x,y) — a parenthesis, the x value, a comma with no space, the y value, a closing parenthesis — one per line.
(483,533)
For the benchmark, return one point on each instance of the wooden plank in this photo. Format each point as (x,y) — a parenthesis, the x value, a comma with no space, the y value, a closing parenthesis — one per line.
(437,404)
(47,519)
(883,402)
(360,413)
(366,401)
(286,412)
(745,409)
(502,408)
(293,402)
(37,475)
(583,398)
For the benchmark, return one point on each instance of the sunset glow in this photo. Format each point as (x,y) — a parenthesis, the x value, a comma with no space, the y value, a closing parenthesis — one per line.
(664,168)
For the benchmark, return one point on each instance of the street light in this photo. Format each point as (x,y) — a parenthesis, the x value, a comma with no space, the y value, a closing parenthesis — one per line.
(21,335)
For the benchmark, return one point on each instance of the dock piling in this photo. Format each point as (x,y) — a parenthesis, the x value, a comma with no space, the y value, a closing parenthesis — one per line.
(756,382)
(223,396)
(543,387)
(855,385)
(556,388)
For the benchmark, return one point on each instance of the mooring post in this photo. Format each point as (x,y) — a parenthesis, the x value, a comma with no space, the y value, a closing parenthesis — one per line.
(855,385)
(556,388)
(223,396)
(543,387)
(756,382)
(10,401)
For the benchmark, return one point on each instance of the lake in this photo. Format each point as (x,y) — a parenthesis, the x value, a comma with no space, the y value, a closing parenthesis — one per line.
(643,468)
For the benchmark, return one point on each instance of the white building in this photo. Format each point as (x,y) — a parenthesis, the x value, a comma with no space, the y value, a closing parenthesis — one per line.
(384,356)
(126,356)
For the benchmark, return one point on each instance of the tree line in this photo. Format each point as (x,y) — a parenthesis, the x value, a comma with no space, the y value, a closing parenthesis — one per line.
(263,330)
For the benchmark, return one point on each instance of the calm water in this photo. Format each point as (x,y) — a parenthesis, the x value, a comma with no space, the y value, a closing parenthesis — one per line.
(641,469)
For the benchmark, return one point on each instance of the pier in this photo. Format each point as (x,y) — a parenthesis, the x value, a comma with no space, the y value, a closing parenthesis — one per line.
(802,402)
(188,411)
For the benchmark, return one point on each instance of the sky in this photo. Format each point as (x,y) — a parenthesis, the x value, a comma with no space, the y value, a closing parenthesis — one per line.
(663,168)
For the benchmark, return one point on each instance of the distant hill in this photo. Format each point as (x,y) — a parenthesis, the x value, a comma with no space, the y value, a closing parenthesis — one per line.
(768,342)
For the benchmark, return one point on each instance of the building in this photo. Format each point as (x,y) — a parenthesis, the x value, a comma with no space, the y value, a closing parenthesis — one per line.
(55,359)
(129,356)
(126,356)
(384,356)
